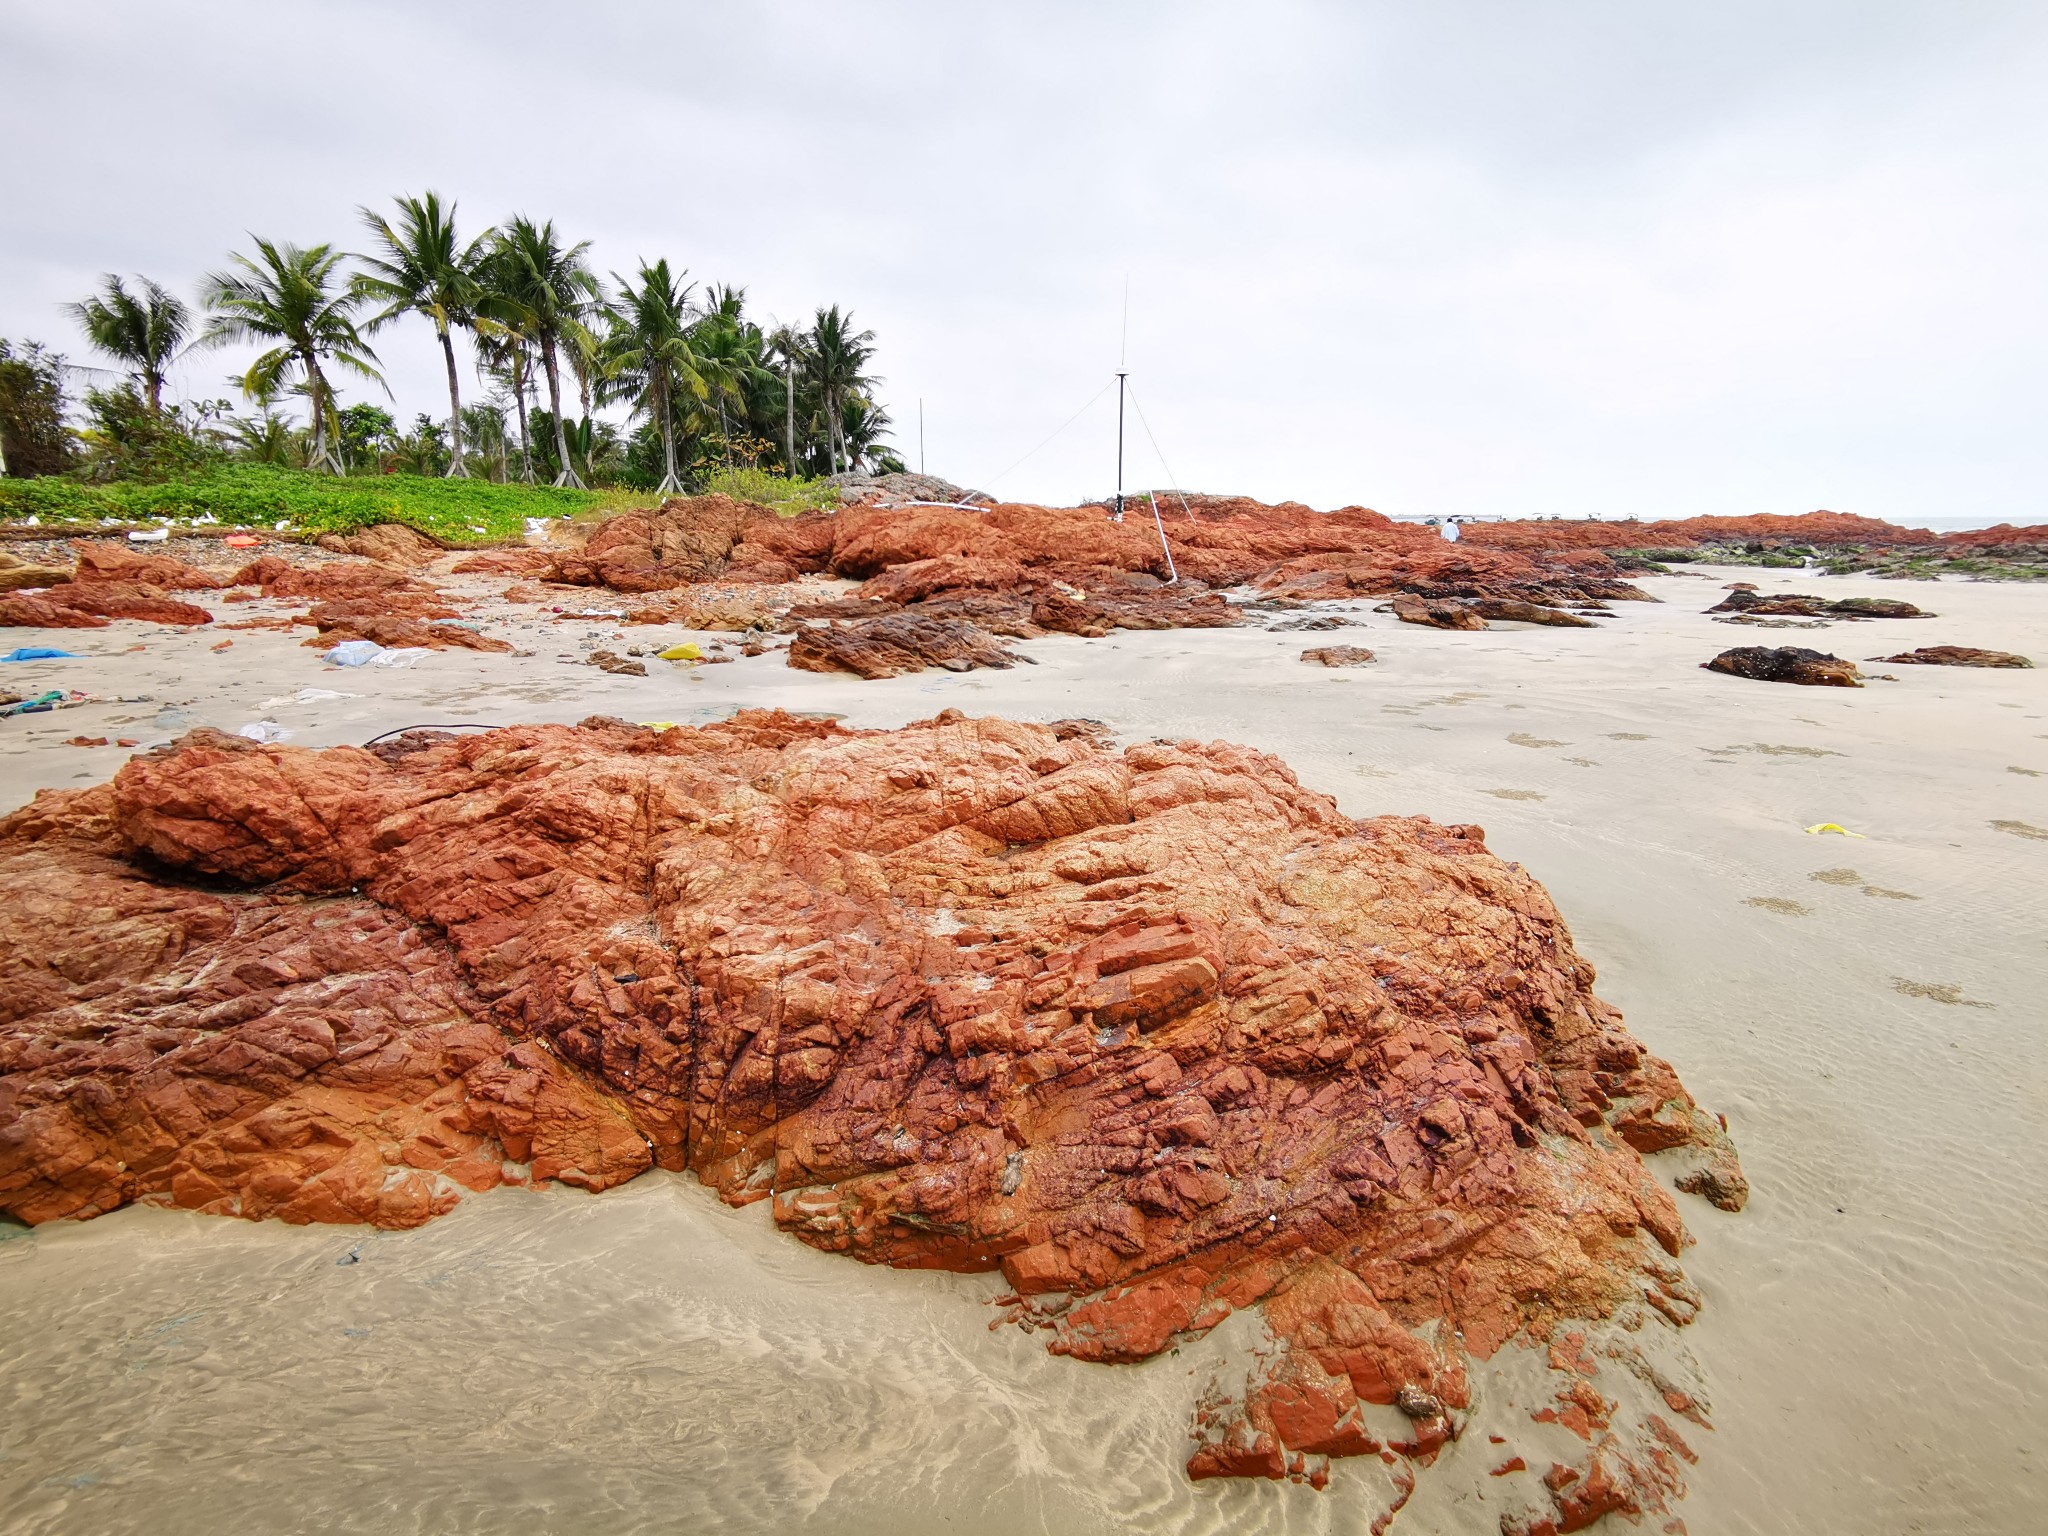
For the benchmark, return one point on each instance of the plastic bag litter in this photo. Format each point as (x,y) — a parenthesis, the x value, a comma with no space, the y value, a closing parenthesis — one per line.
(368,653)
(1830,826)
(659,725)
(352,653)
(39,653)
(264,731)
(156,537)
(687,651)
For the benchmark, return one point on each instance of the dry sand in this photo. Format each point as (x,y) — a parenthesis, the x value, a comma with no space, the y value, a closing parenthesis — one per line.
(1868,1013)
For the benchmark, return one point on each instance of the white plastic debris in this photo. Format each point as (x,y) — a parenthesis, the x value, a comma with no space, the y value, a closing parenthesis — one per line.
(352,653)
(400,656)
(264,731)
(155,537)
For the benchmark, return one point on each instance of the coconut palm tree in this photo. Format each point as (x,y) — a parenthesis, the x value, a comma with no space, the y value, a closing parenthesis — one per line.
(145,329)
(729,356)
(840,356)
(789,344)
(653,361)
(290,297)
(547,292)
(483,427)
(862,426)
(422,268)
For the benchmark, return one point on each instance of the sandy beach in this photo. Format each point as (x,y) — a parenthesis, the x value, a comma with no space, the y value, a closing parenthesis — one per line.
(1865,1010)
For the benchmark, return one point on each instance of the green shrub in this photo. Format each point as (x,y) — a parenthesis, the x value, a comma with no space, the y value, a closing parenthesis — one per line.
(789,497)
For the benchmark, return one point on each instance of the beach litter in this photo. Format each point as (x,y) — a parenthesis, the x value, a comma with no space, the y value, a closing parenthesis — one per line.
(40,653)
(687,651)
(42,703)
(368,653)
(265,731)
(156,536)
(1821,827)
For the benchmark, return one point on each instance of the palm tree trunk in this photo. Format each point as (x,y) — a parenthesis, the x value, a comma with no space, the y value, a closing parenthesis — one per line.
(525,447)
(457,470)
(155,381)
(566,474)
(789,417)
(583,392)
(323,454)
(671,482)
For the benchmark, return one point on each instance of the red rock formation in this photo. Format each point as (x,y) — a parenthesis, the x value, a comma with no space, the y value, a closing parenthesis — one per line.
(19,612)
(89,604)
(534,564)
(1956,656)
(1787,664)
(341,621)
(355,581)
(897,643)
(18,574)
(128,567)
(386,543)
(684,540)
(1158,1032)
(1436,613)
(1514,610)
(1339,655)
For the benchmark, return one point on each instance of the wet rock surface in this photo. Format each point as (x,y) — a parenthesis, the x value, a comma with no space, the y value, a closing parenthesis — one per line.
(1787,664)
(1157,1032)
(1745,599)
(1956,656)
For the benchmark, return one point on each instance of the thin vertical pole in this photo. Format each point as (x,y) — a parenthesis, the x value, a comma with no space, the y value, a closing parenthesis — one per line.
(1120,377)
(920,434)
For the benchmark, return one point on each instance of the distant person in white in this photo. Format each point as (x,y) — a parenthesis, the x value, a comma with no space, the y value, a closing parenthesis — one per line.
(1450,530)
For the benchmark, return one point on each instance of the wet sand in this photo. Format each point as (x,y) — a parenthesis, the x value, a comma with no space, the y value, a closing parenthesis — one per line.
(1876,1321)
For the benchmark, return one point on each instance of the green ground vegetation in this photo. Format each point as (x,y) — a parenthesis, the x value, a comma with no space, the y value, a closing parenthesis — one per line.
(268,498)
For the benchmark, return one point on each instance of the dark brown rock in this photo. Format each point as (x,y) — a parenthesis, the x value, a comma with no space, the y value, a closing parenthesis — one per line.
(1787,664)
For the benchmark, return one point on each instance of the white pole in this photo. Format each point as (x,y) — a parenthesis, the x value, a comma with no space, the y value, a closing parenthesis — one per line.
(1160,523)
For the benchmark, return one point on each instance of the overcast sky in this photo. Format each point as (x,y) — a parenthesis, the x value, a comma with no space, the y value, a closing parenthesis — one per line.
(1439,256)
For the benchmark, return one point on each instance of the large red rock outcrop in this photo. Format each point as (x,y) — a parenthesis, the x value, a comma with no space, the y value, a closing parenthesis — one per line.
(1158,1032)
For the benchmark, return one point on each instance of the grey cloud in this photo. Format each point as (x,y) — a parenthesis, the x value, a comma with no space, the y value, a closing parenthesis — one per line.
(1463,257)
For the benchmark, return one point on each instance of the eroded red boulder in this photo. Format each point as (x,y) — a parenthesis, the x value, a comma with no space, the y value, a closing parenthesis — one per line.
(1158,1032)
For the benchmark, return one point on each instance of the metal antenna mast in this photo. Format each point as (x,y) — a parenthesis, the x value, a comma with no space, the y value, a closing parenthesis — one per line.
(1118,515)
(1122,354)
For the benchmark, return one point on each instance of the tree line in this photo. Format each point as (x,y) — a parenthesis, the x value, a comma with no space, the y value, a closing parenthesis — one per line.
(709,388)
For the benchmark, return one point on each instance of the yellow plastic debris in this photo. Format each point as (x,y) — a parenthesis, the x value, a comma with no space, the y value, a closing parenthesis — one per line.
(659,725)
(1830,826)
(687,651)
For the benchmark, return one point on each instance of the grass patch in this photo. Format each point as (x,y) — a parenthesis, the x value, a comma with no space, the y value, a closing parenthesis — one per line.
(457,512)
